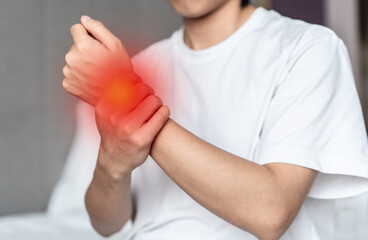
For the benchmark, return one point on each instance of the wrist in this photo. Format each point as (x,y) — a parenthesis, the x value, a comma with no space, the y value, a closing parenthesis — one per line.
(126,76)
(104,183)
(110,167)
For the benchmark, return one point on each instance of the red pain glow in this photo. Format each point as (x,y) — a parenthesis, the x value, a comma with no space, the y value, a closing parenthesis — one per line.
(119,94)
(116,85)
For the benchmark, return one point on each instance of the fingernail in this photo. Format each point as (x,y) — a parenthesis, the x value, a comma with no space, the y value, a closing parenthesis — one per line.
(85,18)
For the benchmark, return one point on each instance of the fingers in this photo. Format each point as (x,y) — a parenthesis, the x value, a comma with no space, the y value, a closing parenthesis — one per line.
(144,111)
(142,91)
(87,94)
(157,121)
(146,120)
(80,93)
(100,32)
(78,33)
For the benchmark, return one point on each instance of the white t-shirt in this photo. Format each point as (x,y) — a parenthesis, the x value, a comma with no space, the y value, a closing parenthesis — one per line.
(277,90)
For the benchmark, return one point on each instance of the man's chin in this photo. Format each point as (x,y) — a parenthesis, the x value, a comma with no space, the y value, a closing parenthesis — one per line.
(196,9)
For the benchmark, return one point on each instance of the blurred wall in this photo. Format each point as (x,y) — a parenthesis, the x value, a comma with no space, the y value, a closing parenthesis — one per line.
(36,116)
(311,11)
(348,29)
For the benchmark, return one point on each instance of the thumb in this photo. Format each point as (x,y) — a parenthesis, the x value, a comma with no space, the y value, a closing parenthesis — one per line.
(100,32)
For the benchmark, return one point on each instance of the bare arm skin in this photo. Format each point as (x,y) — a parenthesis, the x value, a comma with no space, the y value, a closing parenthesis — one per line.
(125,144)
(108,200)
(127,129)
(262,200)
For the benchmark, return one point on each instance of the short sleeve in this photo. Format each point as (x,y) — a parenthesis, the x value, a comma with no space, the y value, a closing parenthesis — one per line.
(315,119)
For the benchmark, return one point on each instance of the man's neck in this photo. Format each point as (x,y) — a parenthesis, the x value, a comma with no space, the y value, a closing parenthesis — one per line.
(209,30)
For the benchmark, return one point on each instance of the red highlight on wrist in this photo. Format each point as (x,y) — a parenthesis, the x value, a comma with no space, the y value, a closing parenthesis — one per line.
(111,79)
(119,93)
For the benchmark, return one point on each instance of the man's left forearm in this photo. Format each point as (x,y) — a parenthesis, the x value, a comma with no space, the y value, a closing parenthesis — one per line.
(242,192)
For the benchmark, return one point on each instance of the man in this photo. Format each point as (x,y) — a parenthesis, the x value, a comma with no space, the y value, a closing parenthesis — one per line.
(264,113)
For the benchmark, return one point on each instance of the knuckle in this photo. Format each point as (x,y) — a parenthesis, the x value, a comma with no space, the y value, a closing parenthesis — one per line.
(127,129)
(74,27)
(96,24)
(82,45)
(147,89)
(67,87)
(150,89)
(139,142)
(69,58)
(133,78)
(154,100)
(66,71)
(163,113)
(158,100)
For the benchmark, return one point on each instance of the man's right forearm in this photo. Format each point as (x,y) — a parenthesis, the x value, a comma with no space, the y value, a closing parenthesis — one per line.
(108,200)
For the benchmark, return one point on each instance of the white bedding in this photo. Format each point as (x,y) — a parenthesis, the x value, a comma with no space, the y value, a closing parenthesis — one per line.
(41,226)
(67,219)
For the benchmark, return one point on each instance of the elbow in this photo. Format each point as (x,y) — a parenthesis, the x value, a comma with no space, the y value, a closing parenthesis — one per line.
(273,232)
(105,232)
(275,226)
(101,231)
(270,225)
